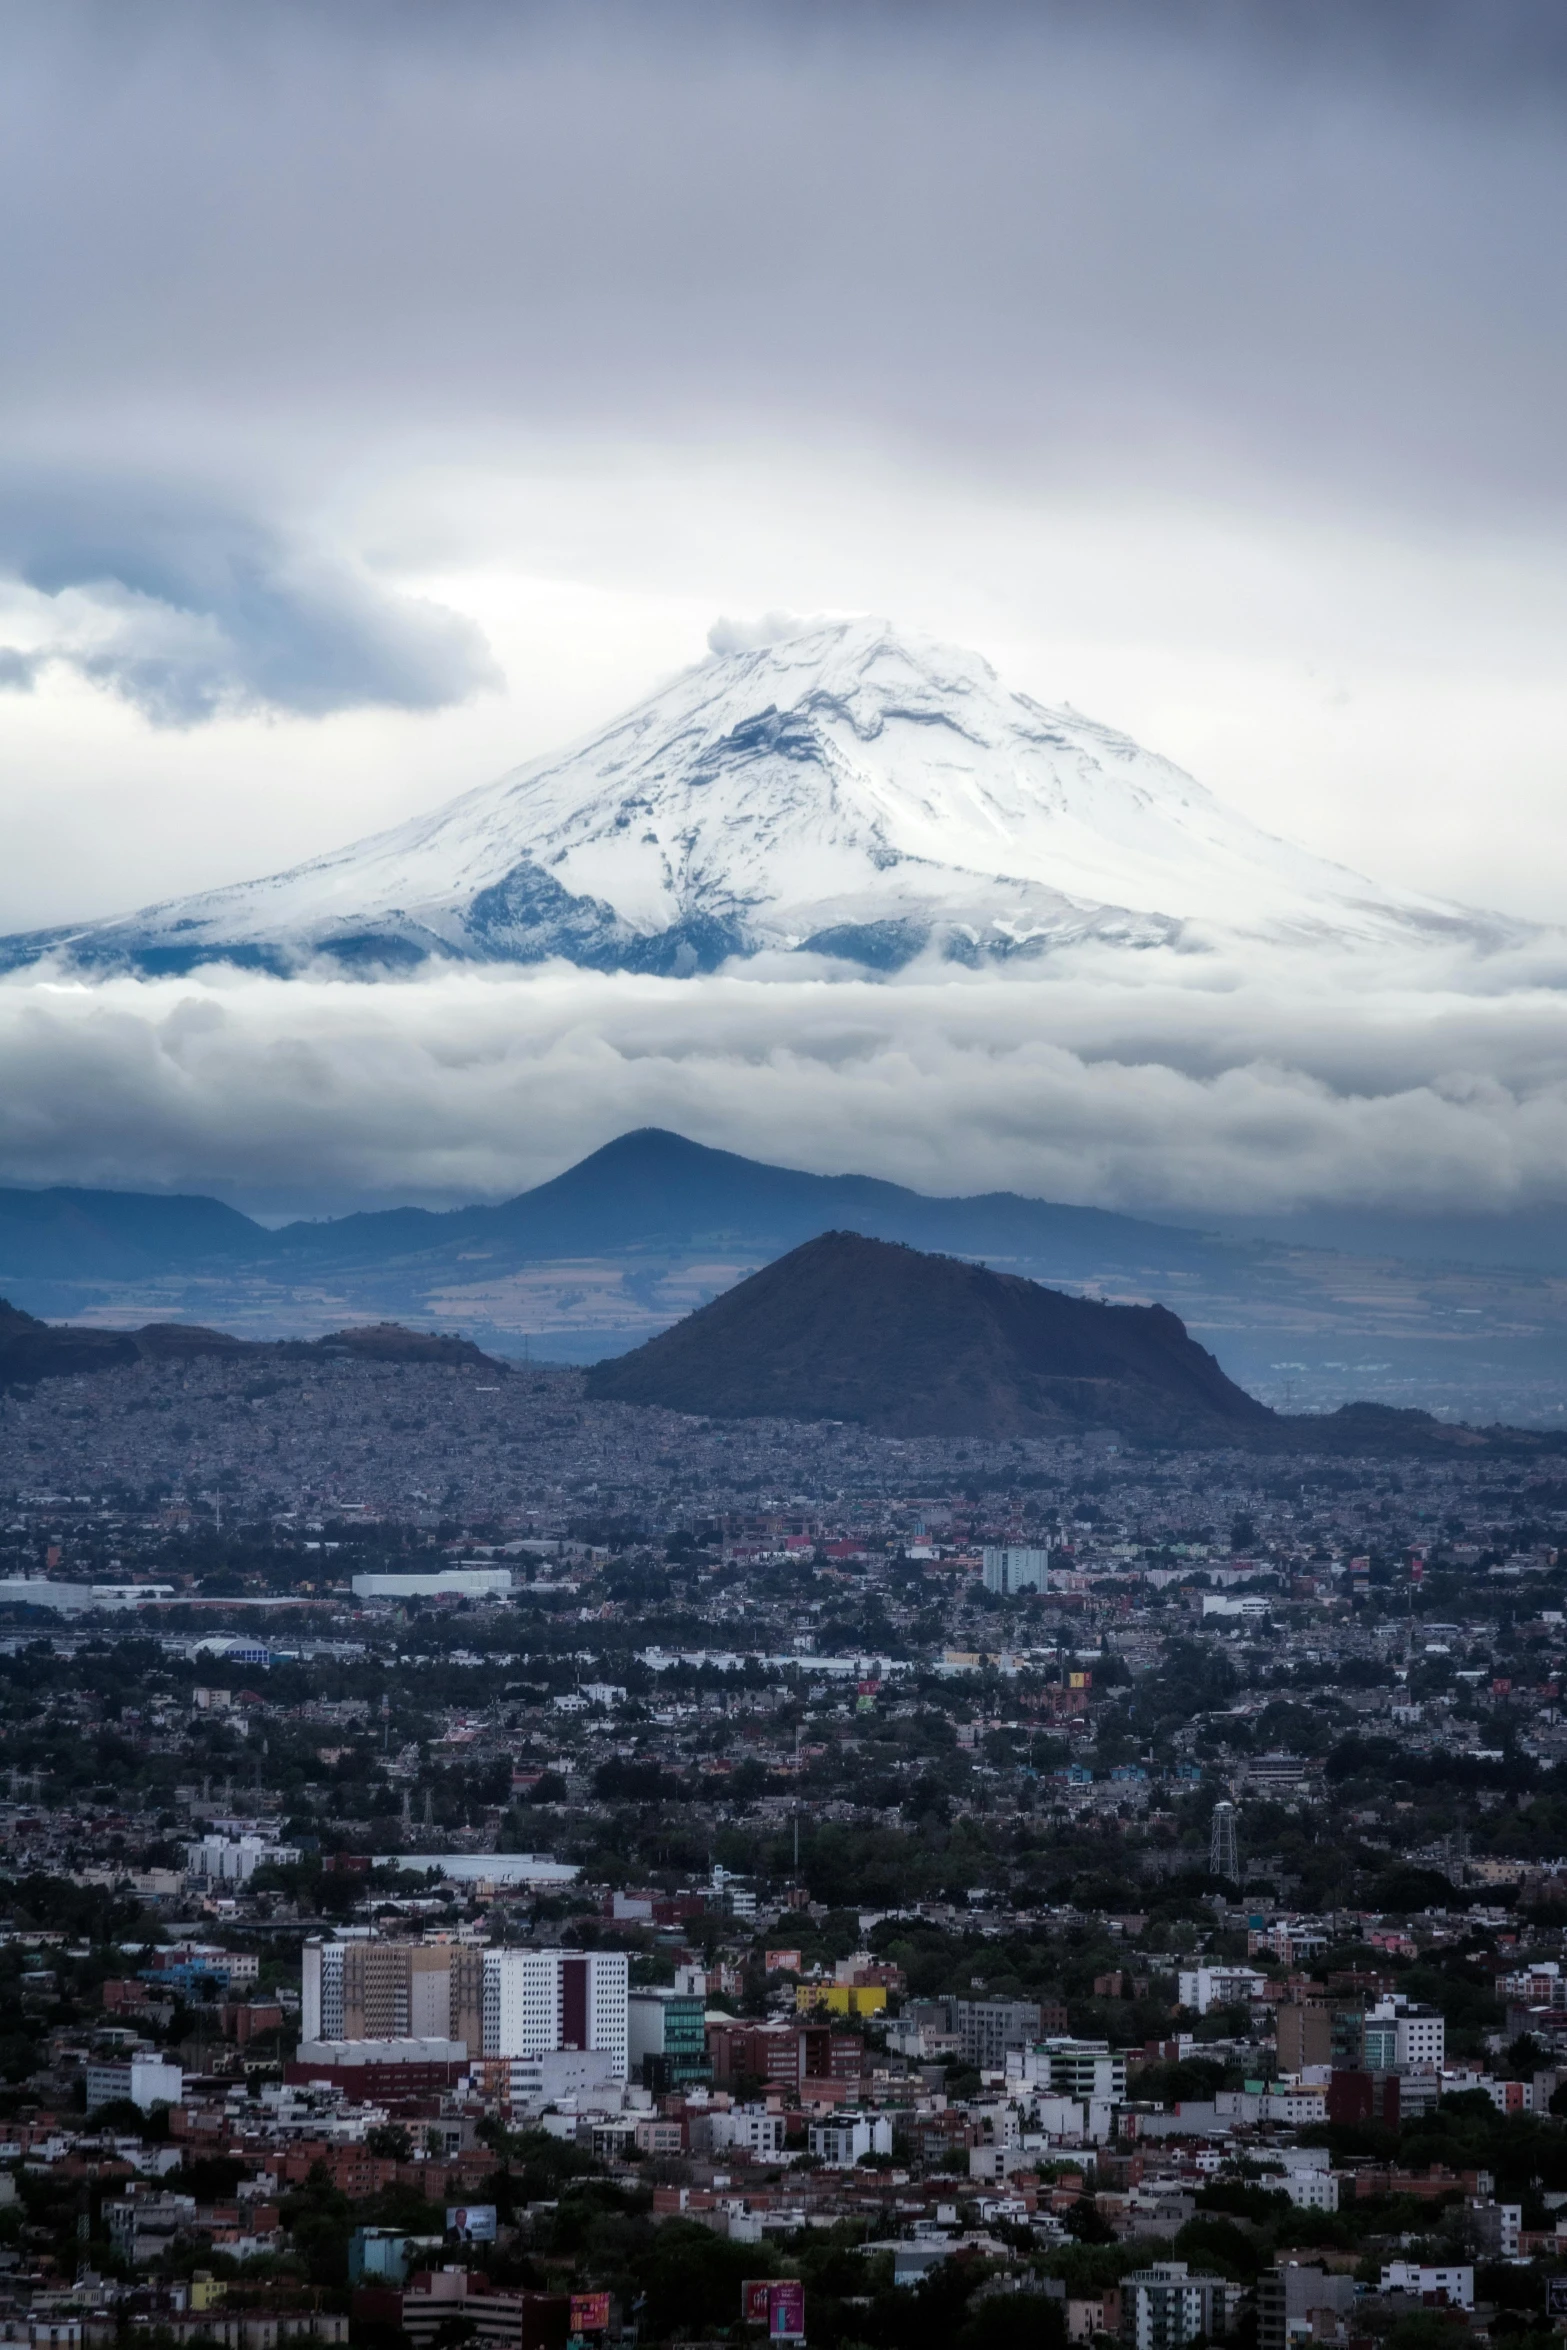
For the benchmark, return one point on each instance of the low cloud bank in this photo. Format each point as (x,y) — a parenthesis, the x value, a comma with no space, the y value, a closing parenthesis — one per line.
(1186,1083)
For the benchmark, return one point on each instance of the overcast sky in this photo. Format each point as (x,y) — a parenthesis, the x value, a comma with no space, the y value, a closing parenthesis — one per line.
(391,392)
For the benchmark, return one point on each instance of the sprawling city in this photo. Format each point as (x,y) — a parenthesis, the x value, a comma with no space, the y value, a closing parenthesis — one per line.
(484,1864)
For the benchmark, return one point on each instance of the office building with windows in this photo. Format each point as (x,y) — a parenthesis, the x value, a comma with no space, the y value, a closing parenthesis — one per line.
(540,2002)
(666,2039)
(364,1989)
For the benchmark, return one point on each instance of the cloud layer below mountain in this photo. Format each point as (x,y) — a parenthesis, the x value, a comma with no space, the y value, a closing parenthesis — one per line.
(1189,1083)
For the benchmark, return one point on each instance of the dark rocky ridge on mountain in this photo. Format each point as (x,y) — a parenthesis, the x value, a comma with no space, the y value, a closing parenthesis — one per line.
(908,1344)
(32,1350)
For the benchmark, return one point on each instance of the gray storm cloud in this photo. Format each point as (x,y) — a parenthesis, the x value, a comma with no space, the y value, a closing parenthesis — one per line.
(1308,248)
(191,609)
(1303,260)
(1237,1086)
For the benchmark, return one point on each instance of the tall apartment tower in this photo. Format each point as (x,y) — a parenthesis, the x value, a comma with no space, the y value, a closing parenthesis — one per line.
(1165,2307)
(1305,2034)
(446,1993)
(365,1990)
(1223,1855)
(1007,1568)
(544,2002)
(321,1990)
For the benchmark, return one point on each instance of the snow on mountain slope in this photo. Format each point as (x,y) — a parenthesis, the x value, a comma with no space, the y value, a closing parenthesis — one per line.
(844,789)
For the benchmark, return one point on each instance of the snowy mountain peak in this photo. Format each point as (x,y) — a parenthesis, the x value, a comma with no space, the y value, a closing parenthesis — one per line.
(831,786)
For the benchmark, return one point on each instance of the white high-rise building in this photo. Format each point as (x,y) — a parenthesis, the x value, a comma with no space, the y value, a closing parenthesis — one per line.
(321,1992)
(1008,1567)
(540,2002)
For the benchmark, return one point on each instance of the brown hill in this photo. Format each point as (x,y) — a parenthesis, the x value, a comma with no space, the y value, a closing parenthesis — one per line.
(31,1350)
(389,1342)
(908,1344)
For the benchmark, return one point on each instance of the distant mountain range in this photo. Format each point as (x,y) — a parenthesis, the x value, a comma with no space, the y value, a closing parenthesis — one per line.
(622,1245)
(614,1248)
(904,1343)
(647,1189)
(846,791)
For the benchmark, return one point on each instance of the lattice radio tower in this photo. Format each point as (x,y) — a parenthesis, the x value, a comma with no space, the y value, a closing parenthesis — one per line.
(1223,1858)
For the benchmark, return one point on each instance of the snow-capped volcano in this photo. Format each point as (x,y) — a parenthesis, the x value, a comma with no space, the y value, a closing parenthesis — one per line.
(844,789)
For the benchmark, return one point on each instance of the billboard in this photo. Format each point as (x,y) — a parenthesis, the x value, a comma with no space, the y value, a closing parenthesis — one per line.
(1556,2296)
(778,2303)
(590,2313)
(786,2311)
(473,2222)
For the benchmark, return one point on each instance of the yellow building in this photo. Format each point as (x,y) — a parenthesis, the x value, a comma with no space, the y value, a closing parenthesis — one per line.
(841,1998)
